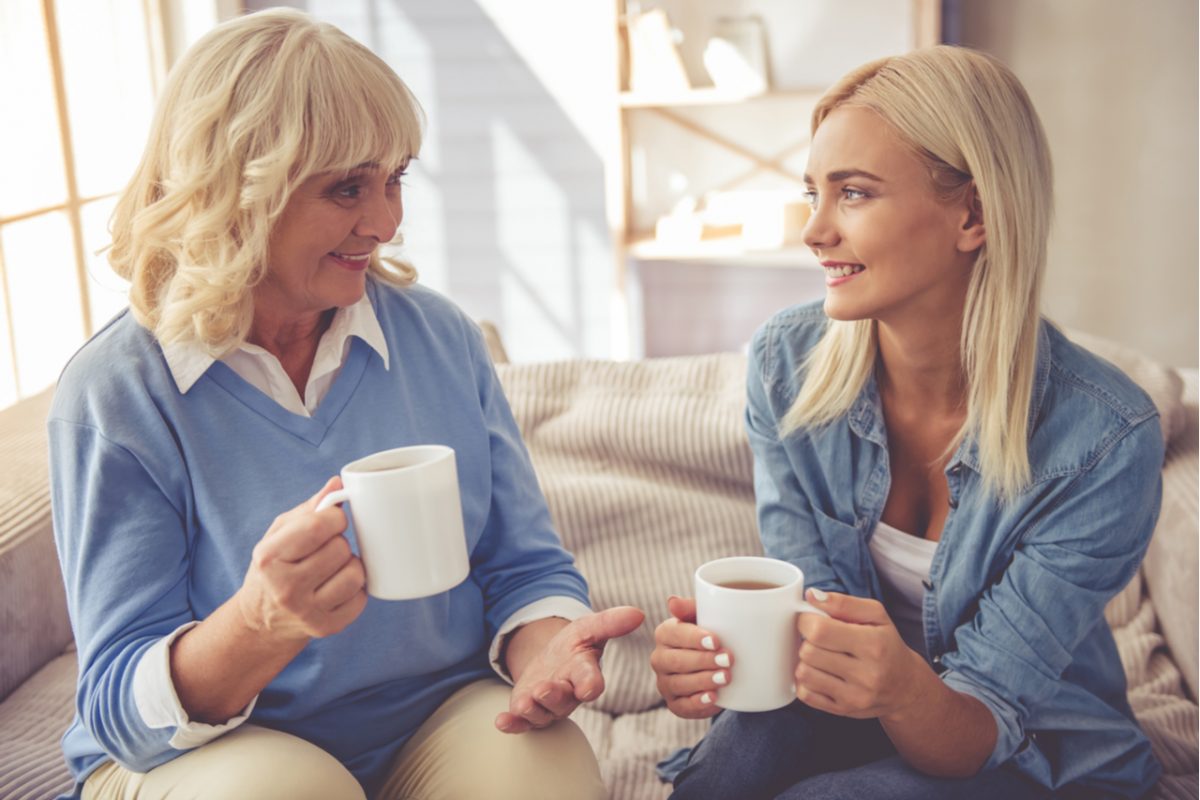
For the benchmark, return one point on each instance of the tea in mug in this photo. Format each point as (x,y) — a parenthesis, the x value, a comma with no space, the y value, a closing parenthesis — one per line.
(748,585)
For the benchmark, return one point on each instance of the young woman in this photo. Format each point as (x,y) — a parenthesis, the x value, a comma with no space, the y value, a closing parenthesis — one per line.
(963,488)
(227,648)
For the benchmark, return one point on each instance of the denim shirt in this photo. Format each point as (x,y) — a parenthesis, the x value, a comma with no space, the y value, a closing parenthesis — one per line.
(1014,604)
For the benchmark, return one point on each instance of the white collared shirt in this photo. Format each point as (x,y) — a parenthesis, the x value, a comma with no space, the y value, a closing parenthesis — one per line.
(154,691)
(262,370)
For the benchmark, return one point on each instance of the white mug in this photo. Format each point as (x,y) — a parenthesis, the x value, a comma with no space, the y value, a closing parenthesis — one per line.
(408,520)
(756,625)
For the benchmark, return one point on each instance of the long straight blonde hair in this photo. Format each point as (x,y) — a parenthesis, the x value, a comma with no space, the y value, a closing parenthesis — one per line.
(253,109)
(968,117)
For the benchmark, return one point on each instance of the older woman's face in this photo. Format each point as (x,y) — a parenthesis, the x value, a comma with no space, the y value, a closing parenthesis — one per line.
(320,246)
(891,248)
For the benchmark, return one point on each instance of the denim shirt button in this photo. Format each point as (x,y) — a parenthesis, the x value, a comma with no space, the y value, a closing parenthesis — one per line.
(953,503)
(928,584)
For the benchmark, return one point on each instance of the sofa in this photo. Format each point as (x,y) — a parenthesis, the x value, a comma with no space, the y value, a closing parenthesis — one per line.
(647,472)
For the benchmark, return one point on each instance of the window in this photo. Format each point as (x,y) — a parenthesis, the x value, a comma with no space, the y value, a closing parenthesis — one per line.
(78,90)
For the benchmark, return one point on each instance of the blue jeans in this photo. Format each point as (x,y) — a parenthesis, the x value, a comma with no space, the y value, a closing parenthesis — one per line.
(798,752)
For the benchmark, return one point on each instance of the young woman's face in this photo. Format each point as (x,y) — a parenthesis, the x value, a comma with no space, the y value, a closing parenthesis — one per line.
(891,249)
(320,245)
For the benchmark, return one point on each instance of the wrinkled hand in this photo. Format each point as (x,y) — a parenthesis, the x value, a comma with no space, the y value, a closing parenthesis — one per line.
(567,670)
(688,662)
(854,663)
(303,581)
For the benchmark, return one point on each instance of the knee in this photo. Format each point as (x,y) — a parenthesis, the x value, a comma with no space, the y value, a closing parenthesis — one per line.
(714,778)
(548,764)
(269,765)
(743,755)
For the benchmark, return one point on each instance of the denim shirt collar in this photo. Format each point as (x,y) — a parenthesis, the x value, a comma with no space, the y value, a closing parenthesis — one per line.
(866,415)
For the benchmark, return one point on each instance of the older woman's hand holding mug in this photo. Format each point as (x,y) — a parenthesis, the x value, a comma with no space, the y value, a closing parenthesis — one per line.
(303,581)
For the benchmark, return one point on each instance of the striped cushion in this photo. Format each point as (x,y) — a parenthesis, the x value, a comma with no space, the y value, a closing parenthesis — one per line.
(32,632)
(32,721)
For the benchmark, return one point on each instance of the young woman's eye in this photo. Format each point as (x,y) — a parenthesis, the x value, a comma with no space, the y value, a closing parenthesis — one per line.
(809,196)
(853,194)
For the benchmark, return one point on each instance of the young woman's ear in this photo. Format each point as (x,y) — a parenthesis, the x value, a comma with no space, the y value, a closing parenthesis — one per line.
(972,235)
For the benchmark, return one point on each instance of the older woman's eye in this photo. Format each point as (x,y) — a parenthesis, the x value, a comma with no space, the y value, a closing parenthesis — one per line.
(347,191)
(396,178)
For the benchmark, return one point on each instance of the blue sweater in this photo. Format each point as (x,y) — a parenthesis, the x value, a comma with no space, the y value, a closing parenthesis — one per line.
(159,498)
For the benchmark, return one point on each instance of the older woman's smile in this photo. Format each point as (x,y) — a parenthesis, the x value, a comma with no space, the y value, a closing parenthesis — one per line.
(352,261)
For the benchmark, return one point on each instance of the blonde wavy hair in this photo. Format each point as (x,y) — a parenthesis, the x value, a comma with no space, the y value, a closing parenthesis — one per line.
(969,119)
(254,108)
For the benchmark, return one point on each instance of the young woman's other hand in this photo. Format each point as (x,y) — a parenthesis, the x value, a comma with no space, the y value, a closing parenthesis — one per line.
(854,662)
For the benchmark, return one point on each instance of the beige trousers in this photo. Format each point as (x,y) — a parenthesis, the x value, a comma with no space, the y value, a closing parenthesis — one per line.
(457,754)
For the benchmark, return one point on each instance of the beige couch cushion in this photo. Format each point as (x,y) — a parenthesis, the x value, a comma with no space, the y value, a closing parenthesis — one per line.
(33,608)
(1172,562)
(32,721)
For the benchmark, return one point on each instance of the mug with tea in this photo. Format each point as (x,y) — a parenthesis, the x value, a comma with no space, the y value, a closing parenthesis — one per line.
(408,520)
(751,603)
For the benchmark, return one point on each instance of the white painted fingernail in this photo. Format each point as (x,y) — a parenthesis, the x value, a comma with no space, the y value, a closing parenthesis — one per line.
(818,595)
(707,643)
(722,659)
(706,698)
(719,678)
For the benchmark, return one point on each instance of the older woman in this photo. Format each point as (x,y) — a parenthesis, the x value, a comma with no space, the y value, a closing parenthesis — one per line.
(963,487)
(227,648)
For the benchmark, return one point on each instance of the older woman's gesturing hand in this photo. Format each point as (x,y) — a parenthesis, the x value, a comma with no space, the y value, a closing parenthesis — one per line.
(563,672)
(303,581)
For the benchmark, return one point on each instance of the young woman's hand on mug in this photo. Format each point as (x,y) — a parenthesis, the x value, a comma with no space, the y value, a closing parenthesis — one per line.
(854,663)
(688,662)
(303,581)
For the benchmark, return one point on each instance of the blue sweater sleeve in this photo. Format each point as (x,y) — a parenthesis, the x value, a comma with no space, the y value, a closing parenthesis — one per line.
(520,558)
(123,549)
(786,522)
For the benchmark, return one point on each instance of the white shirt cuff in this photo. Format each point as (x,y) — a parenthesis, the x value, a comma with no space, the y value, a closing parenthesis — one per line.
(158,703)
(567,608)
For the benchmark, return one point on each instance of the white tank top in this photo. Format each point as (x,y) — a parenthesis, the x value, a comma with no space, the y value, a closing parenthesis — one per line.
(902,562)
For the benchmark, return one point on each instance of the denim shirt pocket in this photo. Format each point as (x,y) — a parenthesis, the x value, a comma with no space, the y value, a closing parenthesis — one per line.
(846,549)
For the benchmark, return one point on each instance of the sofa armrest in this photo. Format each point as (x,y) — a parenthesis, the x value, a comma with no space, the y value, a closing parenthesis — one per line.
(34,626)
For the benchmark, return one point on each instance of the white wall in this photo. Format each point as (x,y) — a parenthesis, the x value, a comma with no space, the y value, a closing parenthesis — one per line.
(1115,83)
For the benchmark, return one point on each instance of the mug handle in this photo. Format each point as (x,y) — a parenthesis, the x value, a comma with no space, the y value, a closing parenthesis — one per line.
(805,607)
(338,496)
